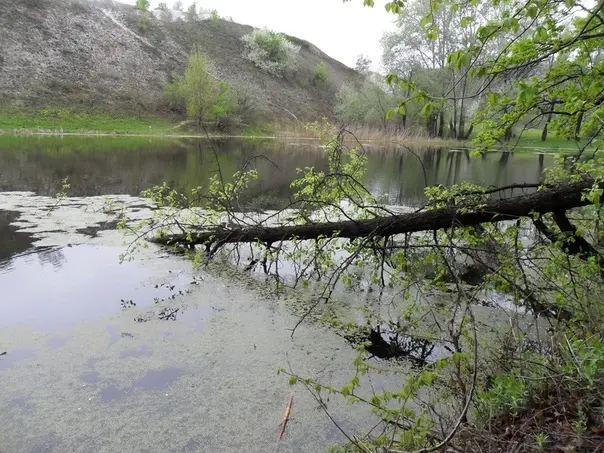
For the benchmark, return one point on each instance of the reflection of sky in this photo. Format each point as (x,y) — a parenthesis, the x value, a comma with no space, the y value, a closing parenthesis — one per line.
(55,288)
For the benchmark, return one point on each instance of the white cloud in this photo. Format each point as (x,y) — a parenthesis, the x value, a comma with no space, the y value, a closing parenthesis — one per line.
(341,30)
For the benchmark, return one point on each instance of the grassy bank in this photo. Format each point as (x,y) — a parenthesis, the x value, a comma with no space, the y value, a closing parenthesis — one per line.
(57,120)
(52,120)
(531,140)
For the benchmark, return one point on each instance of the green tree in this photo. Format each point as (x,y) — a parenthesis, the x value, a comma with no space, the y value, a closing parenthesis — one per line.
(320,73)
(538,62)
(142,5)
(368,106)
(203,96)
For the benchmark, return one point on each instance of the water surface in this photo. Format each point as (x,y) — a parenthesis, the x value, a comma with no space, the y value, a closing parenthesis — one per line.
(100,166)
(152,355)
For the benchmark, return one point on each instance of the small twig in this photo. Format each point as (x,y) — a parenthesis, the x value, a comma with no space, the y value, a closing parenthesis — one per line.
(286,415)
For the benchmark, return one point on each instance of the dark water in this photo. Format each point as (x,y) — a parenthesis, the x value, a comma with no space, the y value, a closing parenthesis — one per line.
(12,241)
(101,166)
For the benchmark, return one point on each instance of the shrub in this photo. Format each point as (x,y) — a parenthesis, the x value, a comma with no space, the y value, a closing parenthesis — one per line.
(200,94)
(214,17)
(142,5)
(270,51)
(320,73)
(143,22)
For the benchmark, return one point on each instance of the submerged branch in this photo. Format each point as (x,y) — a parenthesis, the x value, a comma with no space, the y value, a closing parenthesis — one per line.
(554,199)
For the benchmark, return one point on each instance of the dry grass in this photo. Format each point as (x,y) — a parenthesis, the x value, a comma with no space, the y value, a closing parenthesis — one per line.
(367,134)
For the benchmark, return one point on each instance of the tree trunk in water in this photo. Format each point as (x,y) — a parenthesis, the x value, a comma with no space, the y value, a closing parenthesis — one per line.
(544,133)
(554,199)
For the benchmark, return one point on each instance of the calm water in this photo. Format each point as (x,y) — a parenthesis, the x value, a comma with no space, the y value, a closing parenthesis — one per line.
(128,166)
(153,355)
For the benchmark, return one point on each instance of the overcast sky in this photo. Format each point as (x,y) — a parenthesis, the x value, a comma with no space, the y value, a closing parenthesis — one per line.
(341,30)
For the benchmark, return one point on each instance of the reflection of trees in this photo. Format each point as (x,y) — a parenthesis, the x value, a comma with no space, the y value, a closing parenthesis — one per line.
(108,166)
(12,241)
(400,174)
(53,256)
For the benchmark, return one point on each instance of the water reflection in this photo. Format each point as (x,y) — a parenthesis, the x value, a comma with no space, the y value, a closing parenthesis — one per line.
(100,166)
(55,287)
(12,241)
(9,357)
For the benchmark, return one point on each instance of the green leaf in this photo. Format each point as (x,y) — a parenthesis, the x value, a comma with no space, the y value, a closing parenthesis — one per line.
(532,11)
(493,97)
(293,380)
(425,20)
(466,20)
(427,110)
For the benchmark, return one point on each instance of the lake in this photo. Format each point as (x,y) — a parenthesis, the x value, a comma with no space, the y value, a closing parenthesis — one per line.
(129,165)
(152,355)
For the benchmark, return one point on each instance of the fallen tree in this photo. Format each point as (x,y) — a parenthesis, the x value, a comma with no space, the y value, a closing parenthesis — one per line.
(554,199)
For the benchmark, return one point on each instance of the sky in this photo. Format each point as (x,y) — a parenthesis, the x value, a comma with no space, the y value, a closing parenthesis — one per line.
(341,30)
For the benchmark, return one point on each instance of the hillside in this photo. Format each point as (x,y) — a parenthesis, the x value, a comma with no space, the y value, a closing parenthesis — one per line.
(92,54)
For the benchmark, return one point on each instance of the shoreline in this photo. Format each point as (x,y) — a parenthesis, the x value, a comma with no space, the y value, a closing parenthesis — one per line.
(457,145)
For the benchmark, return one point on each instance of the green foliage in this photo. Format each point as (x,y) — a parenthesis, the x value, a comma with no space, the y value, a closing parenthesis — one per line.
(62,119)
(507,395)
(142,5)
(203,97)
(62,195)
(143,22)
(270,51)
(368,106)
(320,73)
